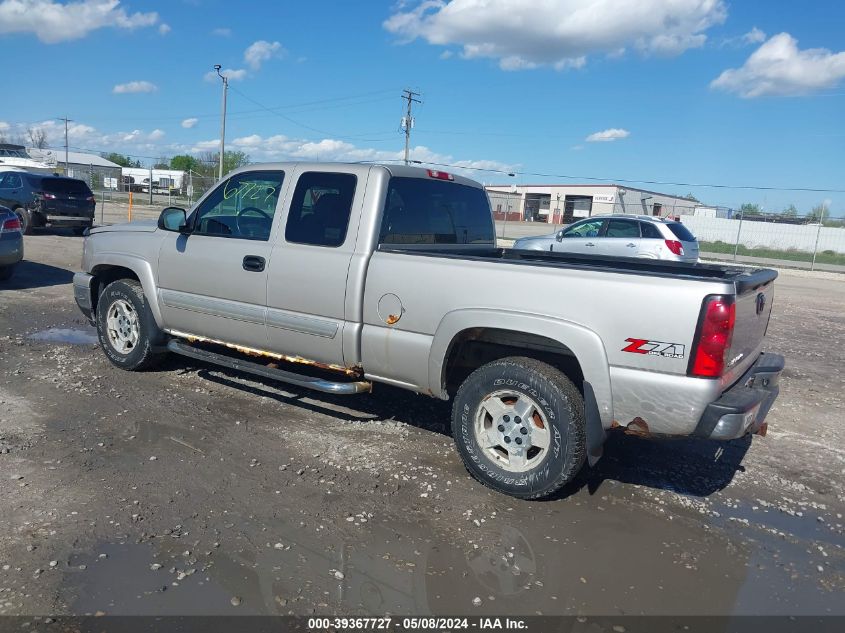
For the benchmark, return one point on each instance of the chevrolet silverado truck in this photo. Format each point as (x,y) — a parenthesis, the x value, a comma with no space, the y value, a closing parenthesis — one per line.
(337,277)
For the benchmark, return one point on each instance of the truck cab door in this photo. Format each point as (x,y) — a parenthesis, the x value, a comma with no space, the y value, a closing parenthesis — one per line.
(313,294)
(581,237)
(212,282)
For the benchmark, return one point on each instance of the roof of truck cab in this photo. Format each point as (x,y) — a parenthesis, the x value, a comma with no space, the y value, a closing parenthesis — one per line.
(401,171)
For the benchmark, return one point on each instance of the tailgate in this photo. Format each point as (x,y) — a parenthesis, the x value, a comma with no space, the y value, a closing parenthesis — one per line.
(753,308)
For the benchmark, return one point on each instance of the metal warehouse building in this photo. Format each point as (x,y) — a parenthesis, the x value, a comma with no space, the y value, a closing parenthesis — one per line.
(98,172)
(561,204)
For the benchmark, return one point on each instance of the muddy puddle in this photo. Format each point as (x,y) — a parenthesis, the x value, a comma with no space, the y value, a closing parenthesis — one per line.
(586,557)
(69,336)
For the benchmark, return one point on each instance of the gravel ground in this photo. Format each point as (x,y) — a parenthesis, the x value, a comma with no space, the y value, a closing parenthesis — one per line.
(195,490)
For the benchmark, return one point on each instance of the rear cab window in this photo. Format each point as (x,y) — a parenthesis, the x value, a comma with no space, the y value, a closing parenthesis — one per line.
(67,186)
(681,232)
(418,211)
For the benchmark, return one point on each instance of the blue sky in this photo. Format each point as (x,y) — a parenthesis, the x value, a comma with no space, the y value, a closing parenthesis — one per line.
(687,91)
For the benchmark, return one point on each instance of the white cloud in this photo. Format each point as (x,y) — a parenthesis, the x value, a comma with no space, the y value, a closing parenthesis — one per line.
(4,125)
(232,73)
(280,147)
(778,67)
(156,135)
(608,135)
(53,22)
(259,52)
(189,123)
(222,32)
(524,34)
(754,36)
(134,87)
(164,29)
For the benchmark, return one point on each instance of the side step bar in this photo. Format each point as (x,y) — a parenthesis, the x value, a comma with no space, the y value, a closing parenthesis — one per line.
(318,384)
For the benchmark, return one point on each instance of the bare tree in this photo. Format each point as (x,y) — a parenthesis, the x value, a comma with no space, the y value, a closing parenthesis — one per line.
(37,137)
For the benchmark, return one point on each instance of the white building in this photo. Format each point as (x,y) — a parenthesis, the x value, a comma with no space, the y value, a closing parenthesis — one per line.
(138,179)
(561,204)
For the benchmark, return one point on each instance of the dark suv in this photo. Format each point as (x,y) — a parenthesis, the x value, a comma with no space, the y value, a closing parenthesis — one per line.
(40,200)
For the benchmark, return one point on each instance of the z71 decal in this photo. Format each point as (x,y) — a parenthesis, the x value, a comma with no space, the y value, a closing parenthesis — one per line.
(654,348)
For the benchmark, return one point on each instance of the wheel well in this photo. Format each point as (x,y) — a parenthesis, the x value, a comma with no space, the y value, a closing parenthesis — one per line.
(475,347)
(103,276)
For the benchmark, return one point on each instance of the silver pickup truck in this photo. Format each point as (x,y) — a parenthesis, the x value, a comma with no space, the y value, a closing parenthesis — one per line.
(338,276)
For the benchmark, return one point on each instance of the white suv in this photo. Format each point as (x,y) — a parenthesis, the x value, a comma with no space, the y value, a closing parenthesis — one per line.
(620,236)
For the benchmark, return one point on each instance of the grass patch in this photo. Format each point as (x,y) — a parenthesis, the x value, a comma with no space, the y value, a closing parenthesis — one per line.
(792,254)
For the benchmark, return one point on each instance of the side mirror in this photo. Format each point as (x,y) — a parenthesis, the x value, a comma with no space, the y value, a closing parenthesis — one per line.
(559,235)
(173,219)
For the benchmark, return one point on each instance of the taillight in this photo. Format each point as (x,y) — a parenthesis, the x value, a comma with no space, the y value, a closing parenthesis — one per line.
(675,246)
(91,199)
(47,196)
(12,224)
(715,332)
(440,175)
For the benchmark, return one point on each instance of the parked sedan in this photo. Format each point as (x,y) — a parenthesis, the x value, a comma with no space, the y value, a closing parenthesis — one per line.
(11,242)
(620,236)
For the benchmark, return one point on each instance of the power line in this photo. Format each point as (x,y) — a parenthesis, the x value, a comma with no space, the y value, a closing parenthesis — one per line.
(626,180)
(295,122)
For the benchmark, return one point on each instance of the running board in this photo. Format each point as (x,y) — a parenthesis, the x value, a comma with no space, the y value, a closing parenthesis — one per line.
(309,382)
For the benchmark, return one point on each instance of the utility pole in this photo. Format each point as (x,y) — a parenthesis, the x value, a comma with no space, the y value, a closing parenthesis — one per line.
(225,79)
(66,120)
(408,120)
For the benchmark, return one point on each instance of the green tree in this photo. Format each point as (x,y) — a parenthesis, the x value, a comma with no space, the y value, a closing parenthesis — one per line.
(185,162)
(231,160)
(119,159)
(750,209)
(819,213)
(790,212)
(691,197)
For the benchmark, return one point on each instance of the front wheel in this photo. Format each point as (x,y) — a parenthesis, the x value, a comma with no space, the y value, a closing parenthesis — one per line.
(126,328)
(519,427)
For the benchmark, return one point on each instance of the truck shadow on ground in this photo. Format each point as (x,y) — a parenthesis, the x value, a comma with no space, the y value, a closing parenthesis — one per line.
(687,466)
(30,274)
(691,466)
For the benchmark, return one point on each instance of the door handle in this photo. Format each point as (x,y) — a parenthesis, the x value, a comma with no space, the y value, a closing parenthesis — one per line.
(254,263)
(630,245)
(589,244)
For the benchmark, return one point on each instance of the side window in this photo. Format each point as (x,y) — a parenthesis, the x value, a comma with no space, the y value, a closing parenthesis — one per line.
(320,208)
(15,181)
(584,229)
(650,231)
(622,228)
(242,207)
(3,179)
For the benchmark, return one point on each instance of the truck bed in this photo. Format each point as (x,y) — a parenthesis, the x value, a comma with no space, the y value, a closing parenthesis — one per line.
(744,279)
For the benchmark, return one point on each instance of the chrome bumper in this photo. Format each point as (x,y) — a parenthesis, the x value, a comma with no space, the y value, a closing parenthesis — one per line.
(742,409)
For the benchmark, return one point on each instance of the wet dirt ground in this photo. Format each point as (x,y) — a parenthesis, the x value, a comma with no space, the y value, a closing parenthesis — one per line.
(196,490)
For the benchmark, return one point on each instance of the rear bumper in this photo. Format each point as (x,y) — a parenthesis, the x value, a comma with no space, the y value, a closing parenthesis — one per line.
(742,409)
(82,293)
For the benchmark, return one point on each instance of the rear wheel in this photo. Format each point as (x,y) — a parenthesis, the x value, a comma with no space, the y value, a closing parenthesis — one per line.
(519,427)
(126,328)
(6,272)
(25,217)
